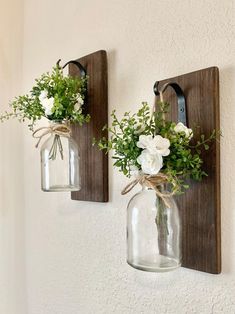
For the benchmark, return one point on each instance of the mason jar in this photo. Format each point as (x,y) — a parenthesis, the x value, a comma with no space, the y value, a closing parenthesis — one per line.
(60,164)
(153,231)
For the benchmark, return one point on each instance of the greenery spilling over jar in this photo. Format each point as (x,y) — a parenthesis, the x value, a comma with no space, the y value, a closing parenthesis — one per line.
(55,96)
(60,99)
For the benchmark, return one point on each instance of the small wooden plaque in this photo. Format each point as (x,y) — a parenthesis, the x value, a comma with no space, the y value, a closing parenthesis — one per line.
(93,162)
(200,205)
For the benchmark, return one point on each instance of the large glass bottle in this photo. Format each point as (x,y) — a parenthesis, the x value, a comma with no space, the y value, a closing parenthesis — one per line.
(153,232)
(60,164)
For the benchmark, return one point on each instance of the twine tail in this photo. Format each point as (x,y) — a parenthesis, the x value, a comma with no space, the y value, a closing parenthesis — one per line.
(58,130)
(163,197)
(152,182)
(53,150)
(56,144)
(60,147)
(130,186)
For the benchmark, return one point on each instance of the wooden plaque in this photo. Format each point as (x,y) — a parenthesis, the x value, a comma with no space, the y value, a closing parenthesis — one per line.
(200,205)
(93,162)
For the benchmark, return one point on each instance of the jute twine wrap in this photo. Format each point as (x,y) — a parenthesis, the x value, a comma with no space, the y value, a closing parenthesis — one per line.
(154,182)
(58,129)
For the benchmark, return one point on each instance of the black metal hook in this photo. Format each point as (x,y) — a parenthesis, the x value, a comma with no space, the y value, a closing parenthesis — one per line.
(82,73)
(78,64)
(182,114)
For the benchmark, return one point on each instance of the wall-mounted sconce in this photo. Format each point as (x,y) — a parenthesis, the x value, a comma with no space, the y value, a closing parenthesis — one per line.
(69,103)
(59,154)
(60,157)
(89,181)
(200,205)
(163,155)
(153,221)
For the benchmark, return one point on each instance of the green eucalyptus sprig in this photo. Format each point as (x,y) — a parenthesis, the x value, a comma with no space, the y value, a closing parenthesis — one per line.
(133,137)
(54,96)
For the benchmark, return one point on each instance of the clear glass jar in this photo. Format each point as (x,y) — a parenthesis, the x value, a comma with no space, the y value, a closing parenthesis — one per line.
(60,164)
(153,232)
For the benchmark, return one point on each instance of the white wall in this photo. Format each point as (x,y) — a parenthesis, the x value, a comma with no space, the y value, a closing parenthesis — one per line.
(75,251)
(12,275)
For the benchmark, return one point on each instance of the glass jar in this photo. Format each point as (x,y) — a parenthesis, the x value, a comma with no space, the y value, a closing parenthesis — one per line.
(153,232)
(60,164)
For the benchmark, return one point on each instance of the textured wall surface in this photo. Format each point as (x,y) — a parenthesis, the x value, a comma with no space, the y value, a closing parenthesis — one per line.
(75,251)
(12,275)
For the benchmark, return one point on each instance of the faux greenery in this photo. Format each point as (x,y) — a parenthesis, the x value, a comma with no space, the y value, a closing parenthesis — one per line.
(54,96)
(132,139)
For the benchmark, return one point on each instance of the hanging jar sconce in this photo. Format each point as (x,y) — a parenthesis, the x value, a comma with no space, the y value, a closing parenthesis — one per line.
(175,219)
(75,106)
(63,99)
(60,169)
(153,221)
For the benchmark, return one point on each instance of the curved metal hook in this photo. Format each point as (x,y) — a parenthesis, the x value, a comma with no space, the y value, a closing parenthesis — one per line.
(182,114)
(79,66)
(81,69)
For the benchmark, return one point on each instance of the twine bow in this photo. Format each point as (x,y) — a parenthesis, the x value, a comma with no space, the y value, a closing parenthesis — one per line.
(58,129)
(153,182)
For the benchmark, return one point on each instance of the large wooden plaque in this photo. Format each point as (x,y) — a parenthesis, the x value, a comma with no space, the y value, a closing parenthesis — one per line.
(93,162)
(200,205)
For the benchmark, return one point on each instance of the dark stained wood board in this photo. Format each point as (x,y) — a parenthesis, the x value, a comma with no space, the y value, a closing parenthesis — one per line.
(93,162)
(200,205)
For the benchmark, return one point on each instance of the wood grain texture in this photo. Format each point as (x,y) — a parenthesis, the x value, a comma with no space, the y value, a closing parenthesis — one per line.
(93,162)
(200,205)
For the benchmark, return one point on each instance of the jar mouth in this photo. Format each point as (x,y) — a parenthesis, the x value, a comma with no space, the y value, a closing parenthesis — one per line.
(58,121)
(163,187)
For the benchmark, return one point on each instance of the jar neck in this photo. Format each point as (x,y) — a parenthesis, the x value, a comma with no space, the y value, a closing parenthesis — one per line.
(161,187)
(60,128)
(60,122)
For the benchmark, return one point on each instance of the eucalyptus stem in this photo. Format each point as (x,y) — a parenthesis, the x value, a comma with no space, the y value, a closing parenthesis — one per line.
(8,115)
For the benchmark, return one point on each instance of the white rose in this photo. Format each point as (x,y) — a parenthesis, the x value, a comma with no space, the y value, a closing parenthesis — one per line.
(79,103)
(43,95)
(77,106)
(161,145)
(150,163)
(180,127)
(48,104)
(156,144)
(145,142)
(80,100)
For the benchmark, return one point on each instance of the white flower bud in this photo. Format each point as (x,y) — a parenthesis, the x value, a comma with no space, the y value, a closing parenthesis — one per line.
(180,127)
(48,104)
(156,144)
(150,163)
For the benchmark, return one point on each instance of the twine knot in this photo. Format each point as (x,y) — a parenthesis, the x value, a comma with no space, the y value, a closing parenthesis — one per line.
(58,129)
(153,182)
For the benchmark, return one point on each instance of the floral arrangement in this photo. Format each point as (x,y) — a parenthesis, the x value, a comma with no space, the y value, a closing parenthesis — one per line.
(54,96)
(145,143)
